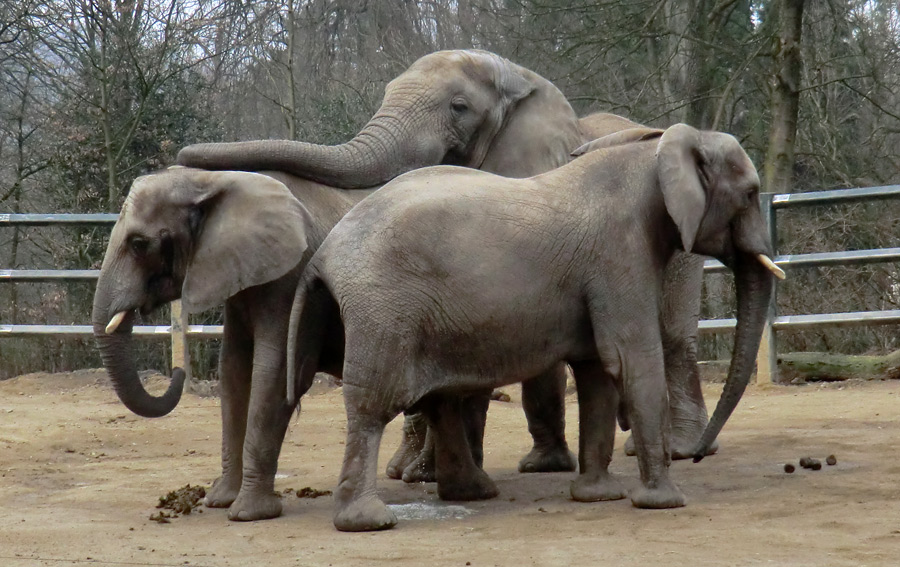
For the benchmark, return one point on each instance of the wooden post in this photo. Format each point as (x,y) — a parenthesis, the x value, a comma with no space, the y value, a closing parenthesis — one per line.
(767,357)
(181,356)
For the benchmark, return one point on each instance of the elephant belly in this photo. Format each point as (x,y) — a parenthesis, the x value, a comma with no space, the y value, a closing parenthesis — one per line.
(492,348)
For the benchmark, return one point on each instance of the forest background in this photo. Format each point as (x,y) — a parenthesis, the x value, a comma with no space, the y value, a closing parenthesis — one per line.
(96,92)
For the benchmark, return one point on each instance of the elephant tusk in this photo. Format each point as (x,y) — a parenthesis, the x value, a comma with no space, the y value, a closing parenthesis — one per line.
(771,266)
(115,322)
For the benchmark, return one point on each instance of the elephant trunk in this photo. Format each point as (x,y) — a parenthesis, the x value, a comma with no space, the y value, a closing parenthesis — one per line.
(387,147)
(117,354)
(755,285)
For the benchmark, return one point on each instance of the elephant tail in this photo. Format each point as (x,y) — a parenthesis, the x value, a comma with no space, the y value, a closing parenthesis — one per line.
(313,313)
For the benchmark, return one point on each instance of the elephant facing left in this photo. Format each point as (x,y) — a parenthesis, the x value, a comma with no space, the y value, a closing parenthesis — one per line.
(209,237)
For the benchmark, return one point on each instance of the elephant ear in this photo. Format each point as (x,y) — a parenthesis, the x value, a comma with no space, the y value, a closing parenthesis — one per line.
(629,136)
(537,126)
(251,230)
(511,84)
(680,164)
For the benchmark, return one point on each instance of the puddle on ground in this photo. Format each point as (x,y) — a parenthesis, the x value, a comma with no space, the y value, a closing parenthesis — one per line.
(427,511)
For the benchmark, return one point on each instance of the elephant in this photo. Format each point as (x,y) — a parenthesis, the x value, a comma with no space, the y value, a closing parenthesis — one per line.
(542,399)
(174,237)
(450,281)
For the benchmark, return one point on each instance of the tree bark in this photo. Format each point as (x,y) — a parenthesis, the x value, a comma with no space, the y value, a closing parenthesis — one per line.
(785,99)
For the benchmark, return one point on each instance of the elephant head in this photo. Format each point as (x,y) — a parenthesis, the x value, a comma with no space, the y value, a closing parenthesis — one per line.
(469,108)
(200,236)
(711,192)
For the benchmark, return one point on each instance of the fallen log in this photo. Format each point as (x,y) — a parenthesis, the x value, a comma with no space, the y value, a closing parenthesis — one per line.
(799,367)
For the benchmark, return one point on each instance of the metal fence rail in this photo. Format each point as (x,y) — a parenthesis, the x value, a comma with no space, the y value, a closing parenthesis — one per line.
(180,331)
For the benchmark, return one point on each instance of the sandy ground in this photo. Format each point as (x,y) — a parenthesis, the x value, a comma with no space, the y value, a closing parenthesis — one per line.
(80,477)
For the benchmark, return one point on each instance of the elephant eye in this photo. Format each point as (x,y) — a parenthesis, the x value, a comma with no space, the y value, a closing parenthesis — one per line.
(139,245)
(458,106)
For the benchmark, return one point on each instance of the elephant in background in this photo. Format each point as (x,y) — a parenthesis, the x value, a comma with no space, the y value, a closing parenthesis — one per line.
(244,238)
(469,294)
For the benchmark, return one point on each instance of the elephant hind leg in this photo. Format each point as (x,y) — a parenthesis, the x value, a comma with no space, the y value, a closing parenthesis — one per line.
(543,399)
(357,506)
(598,404)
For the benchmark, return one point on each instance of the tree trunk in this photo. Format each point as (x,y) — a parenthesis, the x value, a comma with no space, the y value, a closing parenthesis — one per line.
(785,99)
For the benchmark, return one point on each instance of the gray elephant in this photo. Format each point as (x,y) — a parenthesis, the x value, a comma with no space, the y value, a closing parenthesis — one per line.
(179,232)
(542,398)
(449,281)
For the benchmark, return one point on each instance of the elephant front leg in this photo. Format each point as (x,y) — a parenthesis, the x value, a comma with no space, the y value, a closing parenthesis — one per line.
(235,362)
(268,418)
(412,443)
(543,399)
(679,318)
(598,404)
(357,506)
(459,476)
(647,402)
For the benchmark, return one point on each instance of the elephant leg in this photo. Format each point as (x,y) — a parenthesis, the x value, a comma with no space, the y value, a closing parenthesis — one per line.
(543,399)
(421,468)
(412,442)
(474,412)
(643,375)
(458,475)
(235,367)
(268,418)
(598,404)
(679,318)
(357,506)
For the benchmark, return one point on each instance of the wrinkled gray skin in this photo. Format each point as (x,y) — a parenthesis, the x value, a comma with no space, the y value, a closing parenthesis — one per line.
(543,399)
(209,237)
(467,107)
(449,281)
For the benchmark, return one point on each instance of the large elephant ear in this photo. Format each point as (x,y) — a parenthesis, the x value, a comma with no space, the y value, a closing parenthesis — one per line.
(253,231)
(680,160)
(510,84)
(629,136)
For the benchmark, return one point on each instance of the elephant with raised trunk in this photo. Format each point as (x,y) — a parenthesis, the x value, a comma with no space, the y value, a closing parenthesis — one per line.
(180,232)
(449,281)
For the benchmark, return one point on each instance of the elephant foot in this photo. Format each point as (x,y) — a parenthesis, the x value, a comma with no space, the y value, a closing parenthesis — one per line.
(666,495)
(364,515)
(682,446)
(556,459)
(256,507)
(421,469)
(477,486)
(222,494)
(597,488)
(406,455)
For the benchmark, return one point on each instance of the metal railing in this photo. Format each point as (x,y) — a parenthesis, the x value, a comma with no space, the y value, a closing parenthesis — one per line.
(766,361)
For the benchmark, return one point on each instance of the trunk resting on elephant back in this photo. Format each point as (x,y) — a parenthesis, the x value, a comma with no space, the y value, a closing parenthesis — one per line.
(117,353)
(373,157)
(754,286)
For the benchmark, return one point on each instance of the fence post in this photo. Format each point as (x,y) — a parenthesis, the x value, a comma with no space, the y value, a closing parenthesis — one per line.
(767,357)
(181,356)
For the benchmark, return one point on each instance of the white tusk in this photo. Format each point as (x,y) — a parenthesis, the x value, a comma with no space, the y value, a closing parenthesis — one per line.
(115,322)
(771,266)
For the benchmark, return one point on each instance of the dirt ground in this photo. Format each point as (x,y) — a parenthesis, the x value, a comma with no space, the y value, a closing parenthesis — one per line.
(80,477)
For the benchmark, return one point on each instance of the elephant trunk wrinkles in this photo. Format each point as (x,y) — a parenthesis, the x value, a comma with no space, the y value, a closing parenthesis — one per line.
(373,157)
(118,358)
(755,285)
